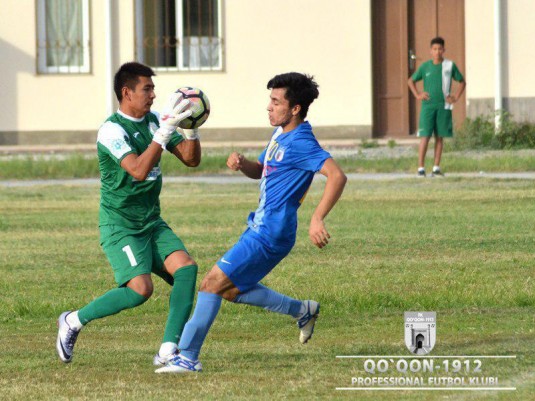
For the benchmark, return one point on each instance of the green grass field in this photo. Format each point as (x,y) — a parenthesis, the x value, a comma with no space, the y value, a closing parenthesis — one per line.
(76,165)
(463,248)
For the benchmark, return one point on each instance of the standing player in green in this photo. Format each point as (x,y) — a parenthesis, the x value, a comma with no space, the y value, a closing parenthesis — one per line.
(437,102)
(136,240)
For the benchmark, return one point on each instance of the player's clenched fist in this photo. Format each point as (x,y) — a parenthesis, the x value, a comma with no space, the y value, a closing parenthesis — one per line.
(234,161)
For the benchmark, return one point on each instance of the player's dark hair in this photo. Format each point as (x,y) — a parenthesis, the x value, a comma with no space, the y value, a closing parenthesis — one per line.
(128,75)
(301,89)
(437,41)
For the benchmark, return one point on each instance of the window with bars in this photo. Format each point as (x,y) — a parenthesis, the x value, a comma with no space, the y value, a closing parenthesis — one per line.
(63,44)
(180,35)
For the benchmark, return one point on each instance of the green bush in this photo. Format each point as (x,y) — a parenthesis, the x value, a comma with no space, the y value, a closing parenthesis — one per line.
(479,133)
(365,144)
(514,135)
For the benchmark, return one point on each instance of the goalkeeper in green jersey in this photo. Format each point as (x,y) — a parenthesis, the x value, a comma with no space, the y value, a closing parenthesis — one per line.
(136,240)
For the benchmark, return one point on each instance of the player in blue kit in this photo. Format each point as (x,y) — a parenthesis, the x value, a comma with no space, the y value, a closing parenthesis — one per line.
(286,169)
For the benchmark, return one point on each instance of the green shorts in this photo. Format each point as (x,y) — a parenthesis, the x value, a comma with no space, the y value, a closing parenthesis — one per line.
(134,252)
(436,121)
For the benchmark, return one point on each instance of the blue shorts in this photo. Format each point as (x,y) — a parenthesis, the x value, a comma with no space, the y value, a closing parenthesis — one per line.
(251,259)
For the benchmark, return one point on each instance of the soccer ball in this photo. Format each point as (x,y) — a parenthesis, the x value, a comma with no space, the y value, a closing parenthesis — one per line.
(199,105)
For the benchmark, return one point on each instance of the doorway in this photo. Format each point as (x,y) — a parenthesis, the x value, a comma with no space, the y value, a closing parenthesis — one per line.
(402,31)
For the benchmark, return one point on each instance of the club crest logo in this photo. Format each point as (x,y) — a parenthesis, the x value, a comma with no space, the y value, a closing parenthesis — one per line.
(118,144)
(420,332)
(279,155)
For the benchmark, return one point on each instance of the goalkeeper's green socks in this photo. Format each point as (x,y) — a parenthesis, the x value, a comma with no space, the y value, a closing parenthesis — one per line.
(110,303)
(180,304)
(118,299)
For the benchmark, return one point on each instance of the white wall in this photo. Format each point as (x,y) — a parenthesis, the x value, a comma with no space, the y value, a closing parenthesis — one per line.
(46,102)
(479,31)
(327,38)
(519,48)
(518,57)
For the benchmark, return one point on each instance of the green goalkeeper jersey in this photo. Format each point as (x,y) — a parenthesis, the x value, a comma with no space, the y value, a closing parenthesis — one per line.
(125,201)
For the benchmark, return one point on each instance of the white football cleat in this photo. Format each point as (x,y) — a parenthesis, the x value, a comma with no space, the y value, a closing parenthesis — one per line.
(180,364)
(66,338)
(308,320)
(163,360)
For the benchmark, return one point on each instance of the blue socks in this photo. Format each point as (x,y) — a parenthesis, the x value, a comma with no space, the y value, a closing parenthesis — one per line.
(208,305)
(270,300)
(197,328)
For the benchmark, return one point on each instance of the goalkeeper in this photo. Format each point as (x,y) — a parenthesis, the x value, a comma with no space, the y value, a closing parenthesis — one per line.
(136,240)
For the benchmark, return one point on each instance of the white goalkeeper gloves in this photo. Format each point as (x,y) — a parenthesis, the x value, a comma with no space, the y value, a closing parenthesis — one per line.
(191,134)
(170,118)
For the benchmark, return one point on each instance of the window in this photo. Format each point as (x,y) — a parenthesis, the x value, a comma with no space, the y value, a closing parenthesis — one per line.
(180,35)
(63,36)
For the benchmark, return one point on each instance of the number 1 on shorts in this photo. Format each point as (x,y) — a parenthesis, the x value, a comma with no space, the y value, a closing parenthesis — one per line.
(130,255)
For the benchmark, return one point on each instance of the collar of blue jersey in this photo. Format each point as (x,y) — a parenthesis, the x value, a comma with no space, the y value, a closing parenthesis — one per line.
(304,126)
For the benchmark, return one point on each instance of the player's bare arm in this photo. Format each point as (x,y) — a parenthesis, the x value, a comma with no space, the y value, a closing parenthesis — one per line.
(188,152)
(414,90)
(336,181)
(453,98)
(238,162)
(139,166)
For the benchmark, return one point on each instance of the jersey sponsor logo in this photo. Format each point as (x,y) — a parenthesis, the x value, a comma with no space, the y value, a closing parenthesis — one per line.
(136,134)
(223,260)
(153,175)
(268,170)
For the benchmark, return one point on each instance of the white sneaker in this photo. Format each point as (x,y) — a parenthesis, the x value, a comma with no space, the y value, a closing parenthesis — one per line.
(180,364)
(163,360)
(308,320)
(66,338)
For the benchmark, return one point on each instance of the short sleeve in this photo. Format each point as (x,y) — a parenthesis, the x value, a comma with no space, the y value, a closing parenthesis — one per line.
(114,140)
(262,156)
(307,154)
(418,75)
(176,138)
(456,74)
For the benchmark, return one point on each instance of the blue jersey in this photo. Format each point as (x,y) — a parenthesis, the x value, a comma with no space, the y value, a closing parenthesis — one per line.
(290,161)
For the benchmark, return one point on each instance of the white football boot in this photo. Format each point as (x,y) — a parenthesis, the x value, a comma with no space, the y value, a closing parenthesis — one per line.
(180,364)
(163,360)
(308,320)
(66,338)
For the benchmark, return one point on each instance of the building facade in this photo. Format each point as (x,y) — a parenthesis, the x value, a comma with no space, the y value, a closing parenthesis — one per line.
(59,57)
